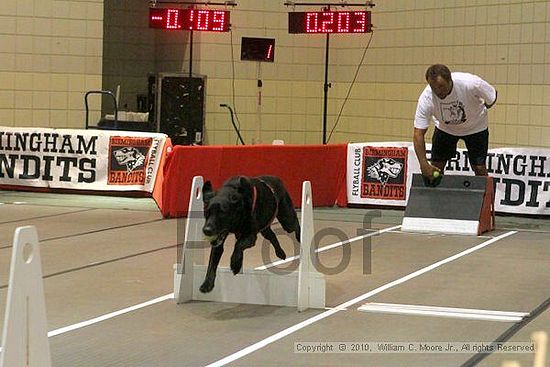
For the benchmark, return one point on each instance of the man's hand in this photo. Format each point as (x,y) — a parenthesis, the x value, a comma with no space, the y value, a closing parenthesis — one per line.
(420,150)
(428,171)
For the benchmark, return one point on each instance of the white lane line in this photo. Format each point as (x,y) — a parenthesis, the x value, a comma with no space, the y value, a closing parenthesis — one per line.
(436,234)
(273,338)
(108,316)
(450,312)
(328,247)
(330,308)
(524,230)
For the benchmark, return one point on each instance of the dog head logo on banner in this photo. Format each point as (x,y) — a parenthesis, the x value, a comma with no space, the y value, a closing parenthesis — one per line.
(128,159)
(384,169)
(384,173)
(131,157)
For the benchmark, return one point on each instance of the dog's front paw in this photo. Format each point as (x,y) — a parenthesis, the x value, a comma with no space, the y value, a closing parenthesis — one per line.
(207,286)
(236,263)
(280,254)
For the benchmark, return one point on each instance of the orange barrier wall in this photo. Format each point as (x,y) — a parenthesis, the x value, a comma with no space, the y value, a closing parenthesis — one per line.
(157,193)
(323,165)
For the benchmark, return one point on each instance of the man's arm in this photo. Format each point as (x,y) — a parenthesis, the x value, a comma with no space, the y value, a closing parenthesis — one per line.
(421,123)
(486,91)
(495,101)
(420,150)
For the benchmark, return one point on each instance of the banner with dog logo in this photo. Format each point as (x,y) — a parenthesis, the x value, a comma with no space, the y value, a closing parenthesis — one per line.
(384,173)
(377,174)
(80,159)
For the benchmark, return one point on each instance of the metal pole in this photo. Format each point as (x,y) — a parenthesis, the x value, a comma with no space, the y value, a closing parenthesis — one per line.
(191,55)
(259,103)
(326,87)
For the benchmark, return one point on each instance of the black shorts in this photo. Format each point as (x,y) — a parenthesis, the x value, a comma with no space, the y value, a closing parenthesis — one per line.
(444,146)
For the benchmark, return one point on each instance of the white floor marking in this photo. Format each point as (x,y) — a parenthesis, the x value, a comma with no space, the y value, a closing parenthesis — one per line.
(451,312)
(524,230)
(436,234)
(328,247)
(273,338)
(108,316)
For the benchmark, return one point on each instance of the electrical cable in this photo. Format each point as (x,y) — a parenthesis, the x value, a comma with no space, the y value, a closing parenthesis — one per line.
(350,87)
(233,85)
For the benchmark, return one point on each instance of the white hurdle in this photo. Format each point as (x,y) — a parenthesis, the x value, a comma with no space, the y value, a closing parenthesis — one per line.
(306,268)
(303,289)
(25,335)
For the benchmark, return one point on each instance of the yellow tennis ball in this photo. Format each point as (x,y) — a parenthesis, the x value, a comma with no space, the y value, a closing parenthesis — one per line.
(209,238)
(436,174)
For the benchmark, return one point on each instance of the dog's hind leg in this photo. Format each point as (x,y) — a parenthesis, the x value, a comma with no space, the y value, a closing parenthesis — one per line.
(287,216)
(215,256)
(297,232)
(271,237)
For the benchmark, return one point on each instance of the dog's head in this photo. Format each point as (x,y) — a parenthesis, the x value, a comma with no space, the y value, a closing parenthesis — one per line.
(226,209)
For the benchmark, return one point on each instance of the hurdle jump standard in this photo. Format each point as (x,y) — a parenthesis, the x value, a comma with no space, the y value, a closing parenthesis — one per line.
(303,289)
(25,336)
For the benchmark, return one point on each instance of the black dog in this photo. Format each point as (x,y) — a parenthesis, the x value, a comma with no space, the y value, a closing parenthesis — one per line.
(245,207)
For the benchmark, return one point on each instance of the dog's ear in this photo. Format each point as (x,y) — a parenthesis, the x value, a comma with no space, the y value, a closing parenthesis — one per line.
(207,192)
(245,186)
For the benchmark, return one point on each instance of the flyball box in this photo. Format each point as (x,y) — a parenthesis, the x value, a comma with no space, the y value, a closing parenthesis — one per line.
(458,205)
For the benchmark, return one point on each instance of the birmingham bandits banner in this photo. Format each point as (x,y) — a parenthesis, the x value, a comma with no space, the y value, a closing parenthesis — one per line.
(380,174)
(80,159)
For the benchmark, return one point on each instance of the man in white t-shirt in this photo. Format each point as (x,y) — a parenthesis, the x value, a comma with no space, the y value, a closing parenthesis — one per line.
(458,104)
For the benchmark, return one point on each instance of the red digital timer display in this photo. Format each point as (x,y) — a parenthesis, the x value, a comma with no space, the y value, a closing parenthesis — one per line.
(189,19)
(329,22)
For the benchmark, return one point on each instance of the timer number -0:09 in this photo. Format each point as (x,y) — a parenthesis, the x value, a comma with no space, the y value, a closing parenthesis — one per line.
(189,19)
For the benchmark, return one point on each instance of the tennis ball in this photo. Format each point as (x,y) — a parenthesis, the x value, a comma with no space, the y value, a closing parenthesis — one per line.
(436,174)
(210,238)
